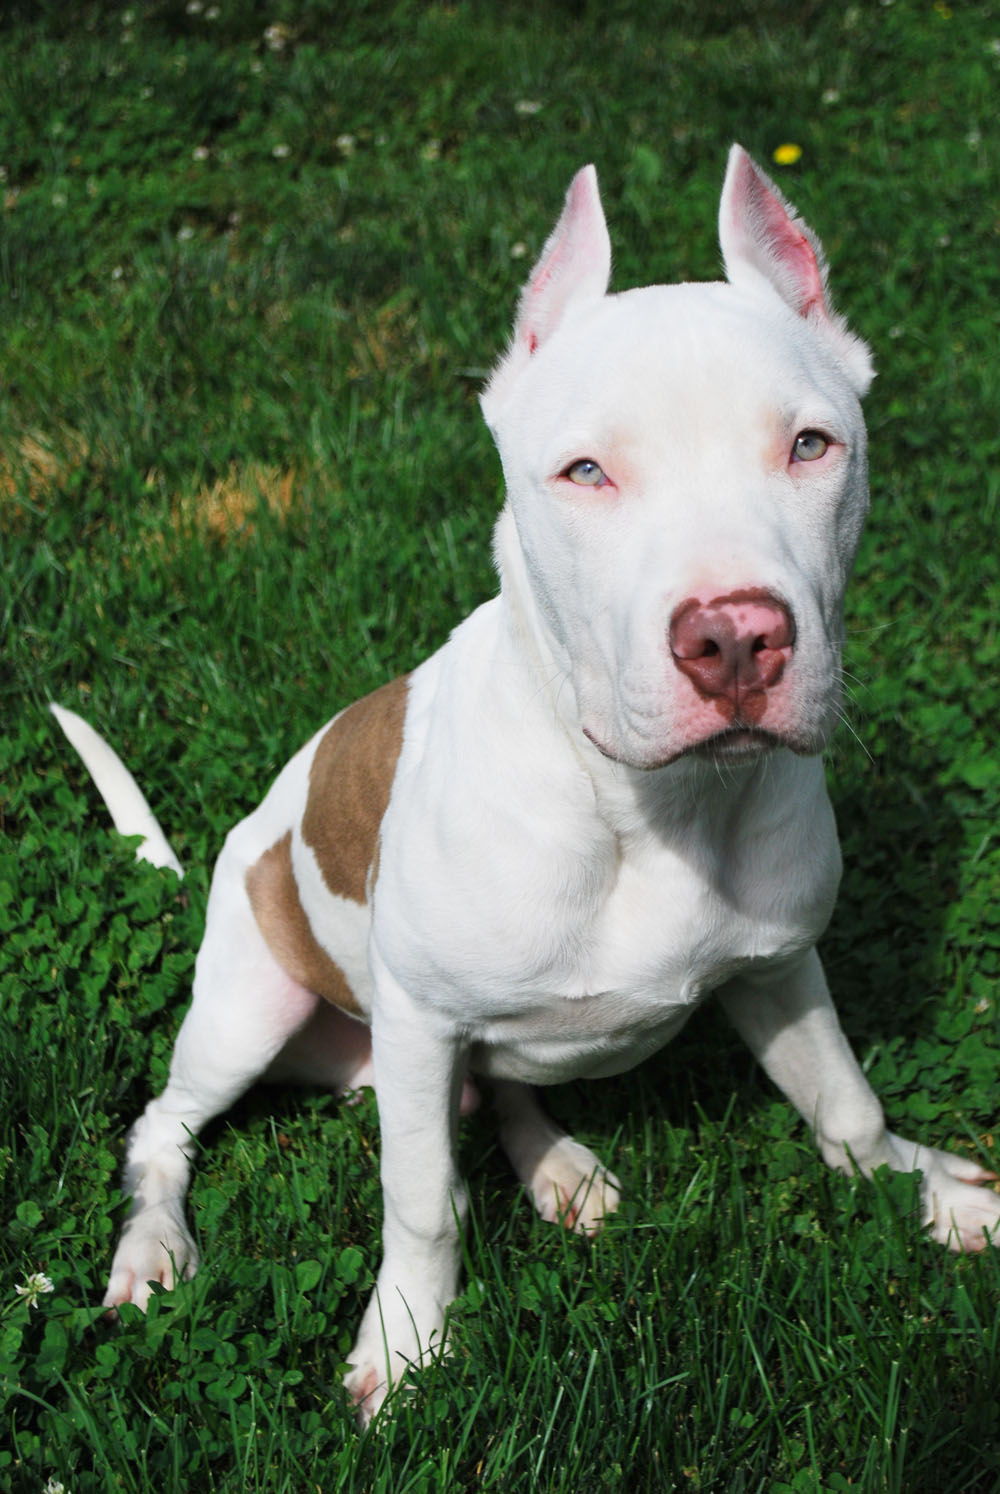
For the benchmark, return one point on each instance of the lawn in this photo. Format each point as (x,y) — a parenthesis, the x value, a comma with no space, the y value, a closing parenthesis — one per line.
(255,260)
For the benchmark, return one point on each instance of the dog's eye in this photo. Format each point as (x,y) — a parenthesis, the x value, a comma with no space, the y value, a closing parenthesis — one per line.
(809,446)
(585,473)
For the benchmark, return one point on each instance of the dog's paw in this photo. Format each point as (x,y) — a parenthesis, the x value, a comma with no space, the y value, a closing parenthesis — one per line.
(956,1212)
(155,1247)
(367,1390)
(398,1332)
(570,1186)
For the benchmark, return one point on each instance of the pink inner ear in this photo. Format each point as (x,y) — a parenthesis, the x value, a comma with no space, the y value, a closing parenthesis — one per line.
(553,265)
(786,244)
(575,263)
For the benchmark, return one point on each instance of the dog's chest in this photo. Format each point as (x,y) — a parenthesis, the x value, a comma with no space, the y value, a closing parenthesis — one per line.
(571,961)
(622,986)
(611,992)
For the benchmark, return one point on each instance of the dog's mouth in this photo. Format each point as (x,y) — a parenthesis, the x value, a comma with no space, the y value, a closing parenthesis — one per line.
(733,744)
(738,742)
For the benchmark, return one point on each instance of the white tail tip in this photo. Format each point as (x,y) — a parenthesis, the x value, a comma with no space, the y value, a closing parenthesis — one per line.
(125,801)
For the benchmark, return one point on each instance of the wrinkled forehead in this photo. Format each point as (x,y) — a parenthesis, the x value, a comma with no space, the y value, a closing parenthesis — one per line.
(671,357)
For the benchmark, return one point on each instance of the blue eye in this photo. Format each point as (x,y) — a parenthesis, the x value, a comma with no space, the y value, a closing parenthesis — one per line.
(810,446)
(585,473)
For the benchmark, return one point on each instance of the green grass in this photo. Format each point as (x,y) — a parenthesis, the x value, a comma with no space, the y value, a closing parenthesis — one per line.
(249,291)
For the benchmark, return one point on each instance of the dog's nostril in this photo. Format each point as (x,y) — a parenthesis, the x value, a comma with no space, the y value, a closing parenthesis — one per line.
(710,649)
(759,645)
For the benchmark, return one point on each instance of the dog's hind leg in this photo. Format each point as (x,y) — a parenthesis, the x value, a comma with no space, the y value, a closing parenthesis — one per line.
(245,1009)
(569,1185)
(332,1051)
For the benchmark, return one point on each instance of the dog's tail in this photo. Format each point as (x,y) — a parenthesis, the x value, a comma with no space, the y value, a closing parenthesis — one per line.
(119,790)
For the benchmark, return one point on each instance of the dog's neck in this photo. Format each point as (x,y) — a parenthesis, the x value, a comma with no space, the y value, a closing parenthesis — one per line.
(527,629)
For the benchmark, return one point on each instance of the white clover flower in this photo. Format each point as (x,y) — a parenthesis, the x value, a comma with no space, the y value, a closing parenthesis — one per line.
(34,1287)
(281,151)
(200,153)
(347,144)
(527,106)
(54,1487)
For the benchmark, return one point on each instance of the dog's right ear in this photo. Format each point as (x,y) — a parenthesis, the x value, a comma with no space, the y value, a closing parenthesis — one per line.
(574,269)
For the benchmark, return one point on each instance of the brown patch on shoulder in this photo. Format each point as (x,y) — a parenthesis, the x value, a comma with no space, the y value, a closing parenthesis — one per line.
(281,918)
(349,785)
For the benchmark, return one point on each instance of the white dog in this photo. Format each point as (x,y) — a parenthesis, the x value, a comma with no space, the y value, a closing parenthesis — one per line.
(599,803)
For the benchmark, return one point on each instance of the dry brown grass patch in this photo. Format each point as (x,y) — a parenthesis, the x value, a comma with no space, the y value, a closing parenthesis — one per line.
(36,466)
(227,505)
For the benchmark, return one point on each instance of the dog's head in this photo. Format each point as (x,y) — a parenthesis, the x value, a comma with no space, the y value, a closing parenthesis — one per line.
(686,484)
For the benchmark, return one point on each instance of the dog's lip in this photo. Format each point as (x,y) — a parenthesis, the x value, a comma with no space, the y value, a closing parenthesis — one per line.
(739,741)
(734,743)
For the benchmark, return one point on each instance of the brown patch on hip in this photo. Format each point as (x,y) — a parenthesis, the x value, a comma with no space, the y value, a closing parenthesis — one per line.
(281,918)
(349,785)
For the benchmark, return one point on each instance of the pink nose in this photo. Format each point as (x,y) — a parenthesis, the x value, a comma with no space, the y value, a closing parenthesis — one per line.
(733,648)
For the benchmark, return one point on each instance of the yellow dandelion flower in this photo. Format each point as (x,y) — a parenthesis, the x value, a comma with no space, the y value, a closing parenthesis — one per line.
(787,155)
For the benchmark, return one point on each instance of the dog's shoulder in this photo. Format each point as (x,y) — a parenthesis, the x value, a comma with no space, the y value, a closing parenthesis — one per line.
(350,781)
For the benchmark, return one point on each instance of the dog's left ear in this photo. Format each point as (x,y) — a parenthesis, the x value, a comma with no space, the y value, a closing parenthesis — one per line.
(761,234)
(573,270)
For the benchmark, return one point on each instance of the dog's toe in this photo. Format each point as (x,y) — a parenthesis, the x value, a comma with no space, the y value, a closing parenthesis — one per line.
(965,1169)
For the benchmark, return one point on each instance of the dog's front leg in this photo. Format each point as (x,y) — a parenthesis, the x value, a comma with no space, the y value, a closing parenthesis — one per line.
(419,1072)
(790,1024)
